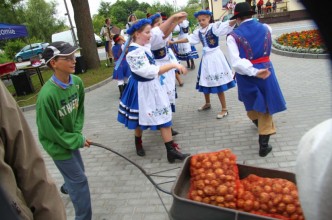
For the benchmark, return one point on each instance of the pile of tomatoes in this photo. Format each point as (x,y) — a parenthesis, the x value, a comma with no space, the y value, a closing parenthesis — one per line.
(273,197)
(215,180)
(214,177)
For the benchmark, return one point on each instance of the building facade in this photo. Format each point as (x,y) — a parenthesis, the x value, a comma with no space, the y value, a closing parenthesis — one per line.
(219,7)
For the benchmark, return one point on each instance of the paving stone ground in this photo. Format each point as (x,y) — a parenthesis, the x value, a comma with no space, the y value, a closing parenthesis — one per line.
(121,192)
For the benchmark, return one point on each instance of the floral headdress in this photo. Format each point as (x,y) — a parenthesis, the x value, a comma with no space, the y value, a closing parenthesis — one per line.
(202,12)
(154,17)
(136,26)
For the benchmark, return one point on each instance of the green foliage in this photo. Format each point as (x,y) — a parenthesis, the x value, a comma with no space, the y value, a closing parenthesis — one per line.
(4,58)
(98,21)
(12,47)
(42,21)
(143,7)
(11,11)
(104,9)
(168,9)
(191,9)
(140,14)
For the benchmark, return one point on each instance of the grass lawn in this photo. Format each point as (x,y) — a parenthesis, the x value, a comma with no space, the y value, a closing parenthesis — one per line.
(90,77)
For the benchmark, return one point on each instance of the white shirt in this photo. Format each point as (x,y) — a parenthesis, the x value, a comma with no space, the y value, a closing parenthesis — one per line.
(313,172)
(240,65)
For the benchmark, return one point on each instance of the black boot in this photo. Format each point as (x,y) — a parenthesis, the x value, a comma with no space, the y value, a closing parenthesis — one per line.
(192,64)
(188,64)
(174,133)
(264,147)
(255,122)
(139,147)
(121,88)
(173,153)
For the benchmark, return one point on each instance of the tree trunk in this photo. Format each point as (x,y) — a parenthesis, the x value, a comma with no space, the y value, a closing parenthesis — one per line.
(85,33)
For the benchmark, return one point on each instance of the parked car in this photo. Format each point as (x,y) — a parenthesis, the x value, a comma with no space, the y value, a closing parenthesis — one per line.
(67,36)
(31,50)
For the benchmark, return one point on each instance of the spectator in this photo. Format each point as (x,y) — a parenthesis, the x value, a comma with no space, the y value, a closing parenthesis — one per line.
(274,6)
(259,6)
(106,32)
(230,6)
(28,190)
(268,6)
(131,20)
(258,86)
(253,5)
(60,119)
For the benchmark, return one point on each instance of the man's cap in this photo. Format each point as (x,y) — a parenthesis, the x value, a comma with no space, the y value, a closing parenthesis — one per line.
(242,9)
(58,48)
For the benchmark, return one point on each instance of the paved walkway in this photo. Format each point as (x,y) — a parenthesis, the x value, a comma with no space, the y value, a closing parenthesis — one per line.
(121,192)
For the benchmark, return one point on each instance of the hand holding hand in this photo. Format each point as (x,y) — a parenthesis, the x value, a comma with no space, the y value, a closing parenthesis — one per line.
(181,16)
(263,73)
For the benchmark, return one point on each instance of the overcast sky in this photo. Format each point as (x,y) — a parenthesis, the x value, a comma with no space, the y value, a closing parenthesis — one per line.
(94,5)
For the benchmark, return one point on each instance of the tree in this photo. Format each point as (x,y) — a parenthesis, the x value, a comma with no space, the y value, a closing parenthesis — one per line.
(104,9)
(40,19)
(143,7)
(85,33)
(140,14)
(11,11)
(166,8)
(98,21)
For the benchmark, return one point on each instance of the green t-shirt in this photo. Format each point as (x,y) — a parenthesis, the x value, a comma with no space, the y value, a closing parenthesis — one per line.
(60,118)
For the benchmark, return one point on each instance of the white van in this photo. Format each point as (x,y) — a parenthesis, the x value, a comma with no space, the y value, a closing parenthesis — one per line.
(67,36)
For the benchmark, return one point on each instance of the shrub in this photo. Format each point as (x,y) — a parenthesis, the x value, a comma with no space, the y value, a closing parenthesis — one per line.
(13,47)
(4,58)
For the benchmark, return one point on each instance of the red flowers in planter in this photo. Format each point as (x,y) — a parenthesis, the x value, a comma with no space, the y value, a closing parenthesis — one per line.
(310,39)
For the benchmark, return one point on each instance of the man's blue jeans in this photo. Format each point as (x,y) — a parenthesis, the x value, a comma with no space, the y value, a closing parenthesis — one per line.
(76,183)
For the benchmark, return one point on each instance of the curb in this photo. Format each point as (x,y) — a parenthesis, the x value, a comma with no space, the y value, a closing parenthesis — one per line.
(89,89)
(300,55)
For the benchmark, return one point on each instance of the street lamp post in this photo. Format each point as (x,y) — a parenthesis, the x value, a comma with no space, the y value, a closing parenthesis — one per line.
(71,25)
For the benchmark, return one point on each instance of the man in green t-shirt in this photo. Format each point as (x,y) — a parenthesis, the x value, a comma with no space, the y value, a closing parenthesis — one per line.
(60,119)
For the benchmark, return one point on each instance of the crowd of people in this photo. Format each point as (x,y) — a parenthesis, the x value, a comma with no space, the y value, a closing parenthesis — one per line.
(146,80)
(264,8)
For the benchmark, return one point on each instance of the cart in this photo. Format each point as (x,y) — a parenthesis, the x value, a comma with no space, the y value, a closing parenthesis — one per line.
(185,209)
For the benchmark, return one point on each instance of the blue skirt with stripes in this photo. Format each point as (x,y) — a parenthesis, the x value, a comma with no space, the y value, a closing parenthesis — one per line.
(128,112)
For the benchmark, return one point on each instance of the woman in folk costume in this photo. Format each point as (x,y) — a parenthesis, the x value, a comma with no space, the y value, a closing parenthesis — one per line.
(160,33)
(214,75)
(145,103)
(249,48)
(122,73)
(185,51)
